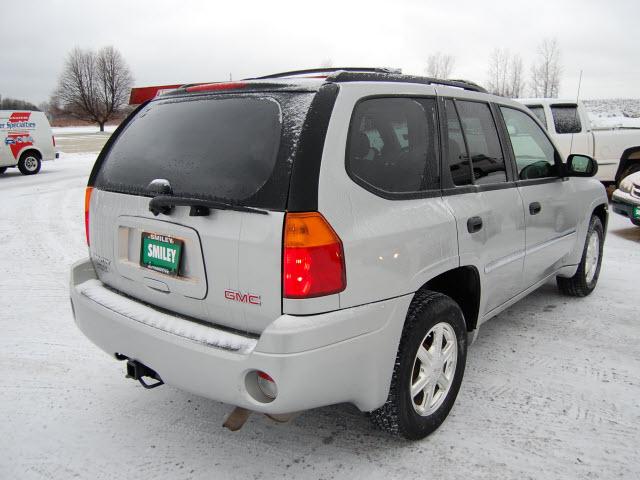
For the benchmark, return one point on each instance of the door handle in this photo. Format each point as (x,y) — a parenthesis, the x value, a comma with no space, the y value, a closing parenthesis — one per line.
(474,224)
(535,208)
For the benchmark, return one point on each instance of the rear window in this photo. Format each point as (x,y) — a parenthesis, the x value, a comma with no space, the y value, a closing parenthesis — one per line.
(227,147)
(566,118)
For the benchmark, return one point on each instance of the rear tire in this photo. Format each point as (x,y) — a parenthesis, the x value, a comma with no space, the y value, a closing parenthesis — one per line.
(2,170)
(29,163)
(586,278)
(428,370)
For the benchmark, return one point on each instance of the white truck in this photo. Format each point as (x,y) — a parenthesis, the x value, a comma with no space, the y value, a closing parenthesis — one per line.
(26,141)
(617,150)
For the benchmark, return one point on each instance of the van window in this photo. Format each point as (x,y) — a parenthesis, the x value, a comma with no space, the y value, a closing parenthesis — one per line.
(483,142)
(392,145)
(566,118)
(535,155)
(538,111)
(236,148)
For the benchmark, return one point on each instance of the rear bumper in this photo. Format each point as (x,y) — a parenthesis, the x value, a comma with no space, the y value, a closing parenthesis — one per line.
(624,204)
(315,360)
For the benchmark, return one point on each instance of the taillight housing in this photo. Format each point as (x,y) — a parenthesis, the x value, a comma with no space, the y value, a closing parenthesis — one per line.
(313,257)
(87,204)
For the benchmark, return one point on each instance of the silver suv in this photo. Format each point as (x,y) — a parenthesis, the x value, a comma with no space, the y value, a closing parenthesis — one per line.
(319,237)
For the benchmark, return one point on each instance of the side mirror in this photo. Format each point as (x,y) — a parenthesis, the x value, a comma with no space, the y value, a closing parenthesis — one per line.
(581,166)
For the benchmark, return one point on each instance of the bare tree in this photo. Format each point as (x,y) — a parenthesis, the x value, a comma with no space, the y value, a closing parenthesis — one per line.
(505,73)
(94,86)
(545,73)
(516,82)
(440,65)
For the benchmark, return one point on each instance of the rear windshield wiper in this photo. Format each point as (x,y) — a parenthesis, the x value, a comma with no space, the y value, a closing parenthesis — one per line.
(199,207)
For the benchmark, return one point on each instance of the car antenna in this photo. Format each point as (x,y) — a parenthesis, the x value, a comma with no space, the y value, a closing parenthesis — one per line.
(575,118)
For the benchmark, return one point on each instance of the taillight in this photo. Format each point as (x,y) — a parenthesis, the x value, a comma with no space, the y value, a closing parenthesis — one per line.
(87,204)
(313,260)
(53,139)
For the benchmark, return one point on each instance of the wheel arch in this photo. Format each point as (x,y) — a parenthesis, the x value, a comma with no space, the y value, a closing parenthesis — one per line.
(602,212)
(629,156)
(28,149)
(462,284)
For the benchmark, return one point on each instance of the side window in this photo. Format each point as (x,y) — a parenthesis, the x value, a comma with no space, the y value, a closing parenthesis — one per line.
(566,118)
(483,142)
(538,111)
(392,144)
(458,159)
(534,152)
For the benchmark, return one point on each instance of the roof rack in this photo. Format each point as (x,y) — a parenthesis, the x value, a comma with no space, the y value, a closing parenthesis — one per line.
(360,76)
(291,73)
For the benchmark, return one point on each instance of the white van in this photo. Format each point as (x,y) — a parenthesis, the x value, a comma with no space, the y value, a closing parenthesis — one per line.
(26,141)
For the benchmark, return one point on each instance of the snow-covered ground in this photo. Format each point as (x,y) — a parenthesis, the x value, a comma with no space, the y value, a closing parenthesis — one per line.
(613,122)
(614,113)
(82,129)
(552,388)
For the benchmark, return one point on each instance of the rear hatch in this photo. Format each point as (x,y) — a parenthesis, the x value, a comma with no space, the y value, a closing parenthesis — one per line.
(215,170)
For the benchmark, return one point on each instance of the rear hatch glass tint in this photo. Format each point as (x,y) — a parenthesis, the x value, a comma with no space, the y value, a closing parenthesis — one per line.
(235,148)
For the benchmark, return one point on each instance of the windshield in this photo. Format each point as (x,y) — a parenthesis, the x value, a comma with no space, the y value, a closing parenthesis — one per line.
(227,147)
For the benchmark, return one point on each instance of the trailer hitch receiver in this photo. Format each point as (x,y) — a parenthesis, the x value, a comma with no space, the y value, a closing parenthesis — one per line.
(137,370)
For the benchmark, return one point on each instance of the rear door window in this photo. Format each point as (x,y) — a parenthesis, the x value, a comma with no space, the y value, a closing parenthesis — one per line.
(458,158)
(483,142)
(566,118)
(393,145)
(226,147)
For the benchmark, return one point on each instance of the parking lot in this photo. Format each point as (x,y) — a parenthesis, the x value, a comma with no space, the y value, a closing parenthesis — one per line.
(552,388)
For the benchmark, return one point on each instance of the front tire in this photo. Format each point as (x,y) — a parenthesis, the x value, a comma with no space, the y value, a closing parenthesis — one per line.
(29,163)
(428,370)
(586,278)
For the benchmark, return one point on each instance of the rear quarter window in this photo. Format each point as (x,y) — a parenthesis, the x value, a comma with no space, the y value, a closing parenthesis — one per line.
(393,145)
(234,148)
(566,118)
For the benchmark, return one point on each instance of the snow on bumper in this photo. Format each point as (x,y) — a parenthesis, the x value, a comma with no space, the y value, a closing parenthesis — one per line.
(316,360)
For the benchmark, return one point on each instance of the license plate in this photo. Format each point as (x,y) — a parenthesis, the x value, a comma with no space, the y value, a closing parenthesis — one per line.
(636,213)
(161,253)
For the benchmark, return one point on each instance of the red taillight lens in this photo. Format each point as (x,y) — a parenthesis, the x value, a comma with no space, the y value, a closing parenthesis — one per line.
(313,260)
(53,139)
(87,204)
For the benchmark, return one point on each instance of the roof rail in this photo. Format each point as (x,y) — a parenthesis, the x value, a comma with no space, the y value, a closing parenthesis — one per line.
(396,71)
(360,76)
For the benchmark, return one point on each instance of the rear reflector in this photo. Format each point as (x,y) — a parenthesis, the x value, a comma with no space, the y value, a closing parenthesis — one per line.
(87,204)
(313,260)
(214,87)
(267,385)
(142,94)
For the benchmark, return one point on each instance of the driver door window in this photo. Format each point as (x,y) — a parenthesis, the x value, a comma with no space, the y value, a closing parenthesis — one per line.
(534,153)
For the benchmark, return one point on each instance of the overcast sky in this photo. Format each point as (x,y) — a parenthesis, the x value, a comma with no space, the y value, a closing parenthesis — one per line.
(193,41)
